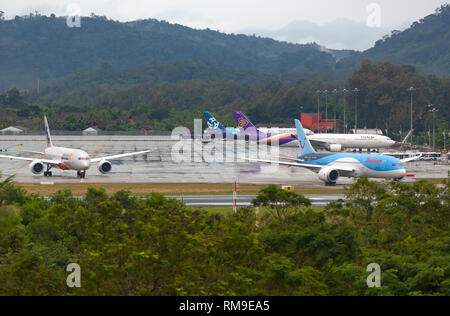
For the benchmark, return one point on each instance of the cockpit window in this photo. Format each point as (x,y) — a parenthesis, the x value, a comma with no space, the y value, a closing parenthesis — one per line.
(83,158)
(396,164)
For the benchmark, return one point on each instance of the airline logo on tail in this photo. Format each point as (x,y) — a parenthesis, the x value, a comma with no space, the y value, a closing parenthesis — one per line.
(302,143)
(242,122)
(213,123)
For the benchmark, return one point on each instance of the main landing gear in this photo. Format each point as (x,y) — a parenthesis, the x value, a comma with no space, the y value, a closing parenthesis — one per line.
(81,174)
(48,173)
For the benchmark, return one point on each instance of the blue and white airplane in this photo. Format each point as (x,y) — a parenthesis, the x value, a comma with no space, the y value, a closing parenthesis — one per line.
(331,166)
(215,126)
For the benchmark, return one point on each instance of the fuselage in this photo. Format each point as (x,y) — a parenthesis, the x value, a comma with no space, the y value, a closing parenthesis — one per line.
(346,141)
(373,166)
(277,130)
(224,132)
(232,130)
(71,159)
(279,139)
(353,140)
(288,137)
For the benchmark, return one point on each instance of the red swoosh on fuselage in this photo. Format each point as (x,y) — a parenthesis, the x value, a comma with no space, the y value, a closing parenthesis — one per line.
(63,167)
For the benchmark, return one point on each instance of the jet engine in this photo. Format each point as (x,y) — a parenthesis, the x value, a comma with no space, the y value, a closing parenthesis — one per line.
(36,167)
(104,166)
(335,148)
(329,175)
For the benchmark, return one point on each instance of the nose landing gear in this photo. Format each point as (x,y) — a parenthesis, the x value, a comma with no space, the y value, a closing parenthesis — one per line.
(81,174)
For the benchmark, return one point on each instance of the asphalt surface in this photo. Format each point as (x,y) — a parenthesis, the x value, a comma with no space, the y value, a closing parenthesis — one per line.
(159,166)
(245,200)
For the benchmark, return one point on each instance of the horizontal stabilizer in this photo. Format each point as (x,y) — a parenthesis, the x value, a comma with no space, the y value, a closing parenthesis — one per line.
(120,156)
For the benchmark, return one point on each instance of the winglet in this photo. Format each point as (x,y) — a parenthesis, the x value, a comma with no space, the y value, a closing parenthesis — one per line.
(304,144)
(47,133)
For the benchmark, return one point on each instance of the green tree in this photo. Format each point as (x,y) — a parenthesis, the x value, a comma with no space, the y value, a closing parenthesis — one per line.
(280,201)
(72,123)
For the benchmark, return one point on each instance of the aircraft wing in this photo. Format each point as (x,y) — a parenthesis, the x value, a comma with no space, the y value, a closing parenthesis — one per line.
(286,159)
(287,163)
(318,143)
(46,161)
(411,159)
(343,169)
(119,156)
(33,152)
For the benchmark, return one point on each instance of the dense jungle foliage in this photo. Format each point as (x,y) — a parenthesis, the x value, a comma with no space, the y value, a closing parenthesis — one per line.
(154,246)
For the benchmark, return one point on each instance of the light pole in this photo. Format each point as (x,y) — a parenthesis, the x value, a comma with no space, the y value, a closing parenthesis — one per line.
(326,110)
(429,137)
(411,90)
(335,91)
(318,109)
(345,124)
(434,110)
(356,90)
(445,140)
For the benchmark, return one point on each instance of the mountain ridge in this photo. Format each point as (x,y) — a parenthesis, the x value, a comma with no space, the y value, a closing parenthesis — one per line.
(425,45)
(44,47)
(38,47)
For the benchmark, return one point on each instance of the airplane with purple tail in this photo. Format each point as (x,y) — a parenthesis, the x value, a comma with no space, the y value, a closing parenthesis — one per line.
(331,142)
(248,128)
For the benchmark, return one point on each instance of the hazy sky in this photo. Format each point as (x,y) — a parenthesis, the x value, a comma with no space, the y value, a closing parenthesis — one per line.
(234,15)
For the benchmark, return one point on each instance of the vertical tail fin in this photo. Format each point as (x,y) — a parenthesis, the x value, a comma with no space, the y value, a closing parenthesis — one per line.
(247,127)
(305,145)
(212,122)
(47,133)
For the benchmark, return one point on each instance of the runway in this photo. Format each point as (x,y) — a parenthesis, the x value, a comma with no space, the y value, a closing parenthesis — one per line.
(159,166)
(241,201)
(245,200)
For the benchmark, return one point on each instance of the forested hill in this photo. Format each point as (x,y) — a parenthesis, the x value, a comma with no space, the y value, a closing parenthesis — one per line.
(83,87)
(45,47)
(426,45)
